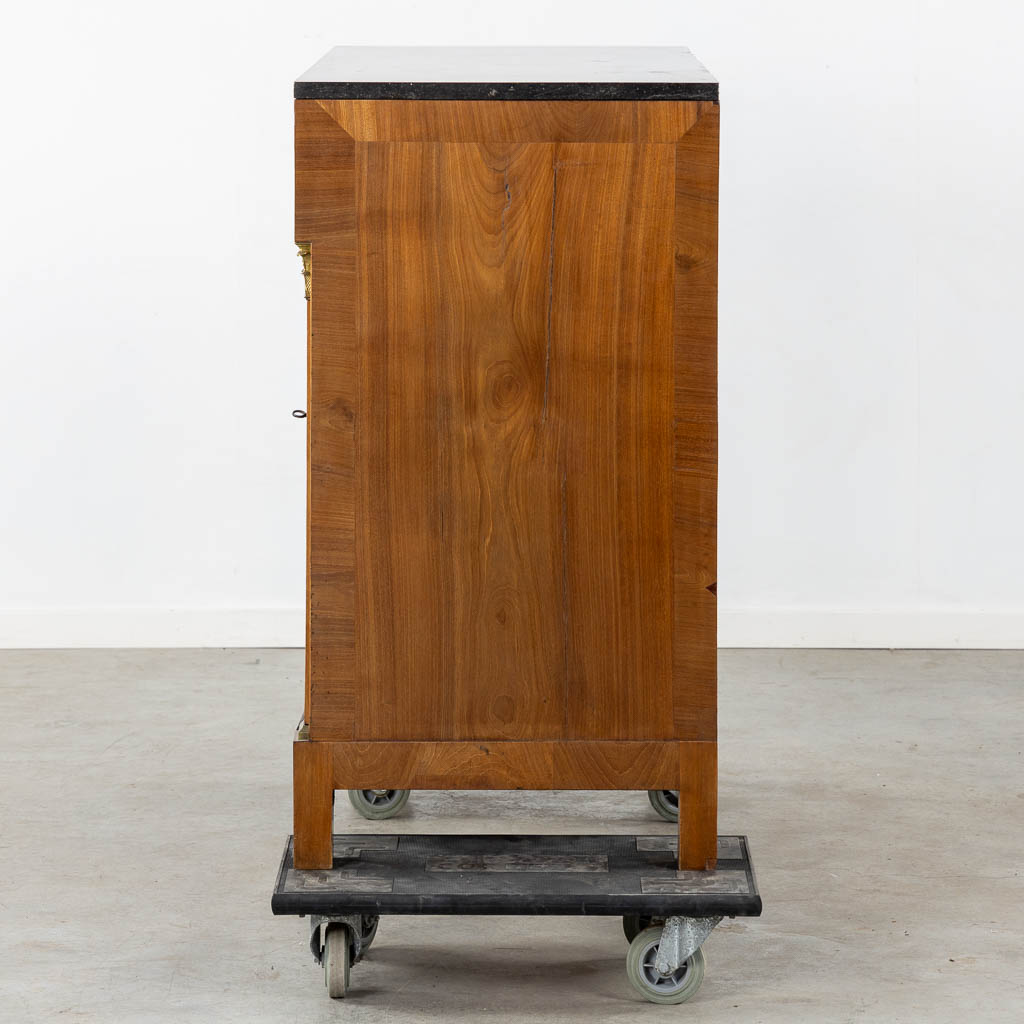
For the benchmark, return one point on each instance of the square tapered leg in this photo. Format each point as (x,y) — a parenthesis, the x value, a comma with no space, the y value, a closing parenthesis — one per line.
(698,805)
(313,774)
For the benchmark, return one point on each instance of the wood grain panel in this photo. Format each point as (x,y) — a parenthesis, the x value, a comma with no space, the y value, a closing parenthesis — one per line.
(325,204)
(460,604)
(695,435)
(324,174)
(332,475)
(405,579)
(506,765)
(623,764)
(502,532)
(511,122)
(512,419)
(611,391)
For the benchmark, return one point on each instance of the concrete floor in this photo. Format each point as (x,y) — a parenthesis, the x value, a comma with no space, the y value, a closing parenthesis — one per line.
(145,796)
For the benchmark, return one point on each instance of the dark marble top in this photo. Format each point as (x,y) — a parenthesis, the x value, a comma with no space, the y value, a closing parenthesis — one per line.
(507,73)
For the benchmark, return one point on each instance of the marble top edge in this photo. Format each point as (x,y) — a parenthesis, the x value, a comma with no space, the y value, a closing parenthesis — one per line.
(505,72)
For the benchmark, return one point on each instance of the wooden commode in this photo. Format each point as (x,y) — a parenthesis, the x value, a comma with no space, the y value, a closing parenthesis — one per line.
(512,273)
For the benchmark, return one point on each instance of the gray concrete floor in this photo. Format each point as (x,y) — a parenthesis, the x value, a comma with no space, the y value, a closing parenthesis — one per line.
(145,799)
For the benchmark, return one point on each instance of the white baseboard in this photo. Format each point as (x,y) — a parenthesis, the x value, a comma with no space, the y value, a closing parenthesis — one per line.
(891,628)
(284,627)
(153,627)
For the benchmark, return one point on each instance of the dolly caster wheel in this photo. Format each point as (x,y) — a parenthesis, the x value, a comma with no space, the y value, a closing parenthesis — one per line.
(665,802)
(368,931)
(337,960)
(634,924)
(676,987)
(377,804)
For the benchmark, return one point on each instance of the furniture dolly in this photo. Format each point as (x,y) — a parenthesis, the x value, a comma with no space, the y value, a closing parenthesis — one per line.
(510,261)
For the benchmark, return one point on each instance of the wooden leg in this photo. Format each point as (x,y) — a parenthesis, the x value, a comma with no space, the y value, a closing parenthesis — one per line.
(698,805)
(313,781)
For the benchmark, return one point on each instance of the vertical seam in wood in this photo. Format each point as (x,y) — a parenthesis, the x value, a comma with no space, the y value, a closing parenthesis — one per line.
(565,601)
(307,712)
(551,287)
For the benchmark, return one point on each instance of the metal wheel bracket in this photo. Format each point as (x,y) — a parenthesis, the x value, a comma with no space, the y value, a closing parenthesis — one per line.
(318,934)
(680,939)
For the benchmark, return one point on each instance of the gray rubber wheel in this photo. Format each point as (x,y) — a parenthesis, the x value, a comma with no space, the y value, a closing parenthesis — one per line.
(665,802)
(337,960)
(369,931)
(634,924)
(677,987)
(377,804)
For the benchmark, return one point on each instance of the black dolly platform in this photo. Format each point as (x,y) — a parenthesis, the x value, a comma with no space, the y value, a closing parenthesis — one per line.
(520,874)
(666,913)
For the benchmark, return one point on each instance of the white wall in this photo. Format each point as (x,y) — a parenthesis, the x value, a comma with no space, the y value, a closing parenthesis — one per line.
(151,313)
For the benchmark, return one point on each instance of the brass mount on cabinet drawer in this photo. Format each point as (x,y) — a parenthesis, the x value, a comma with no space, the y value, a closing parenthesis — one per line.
(306,254)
